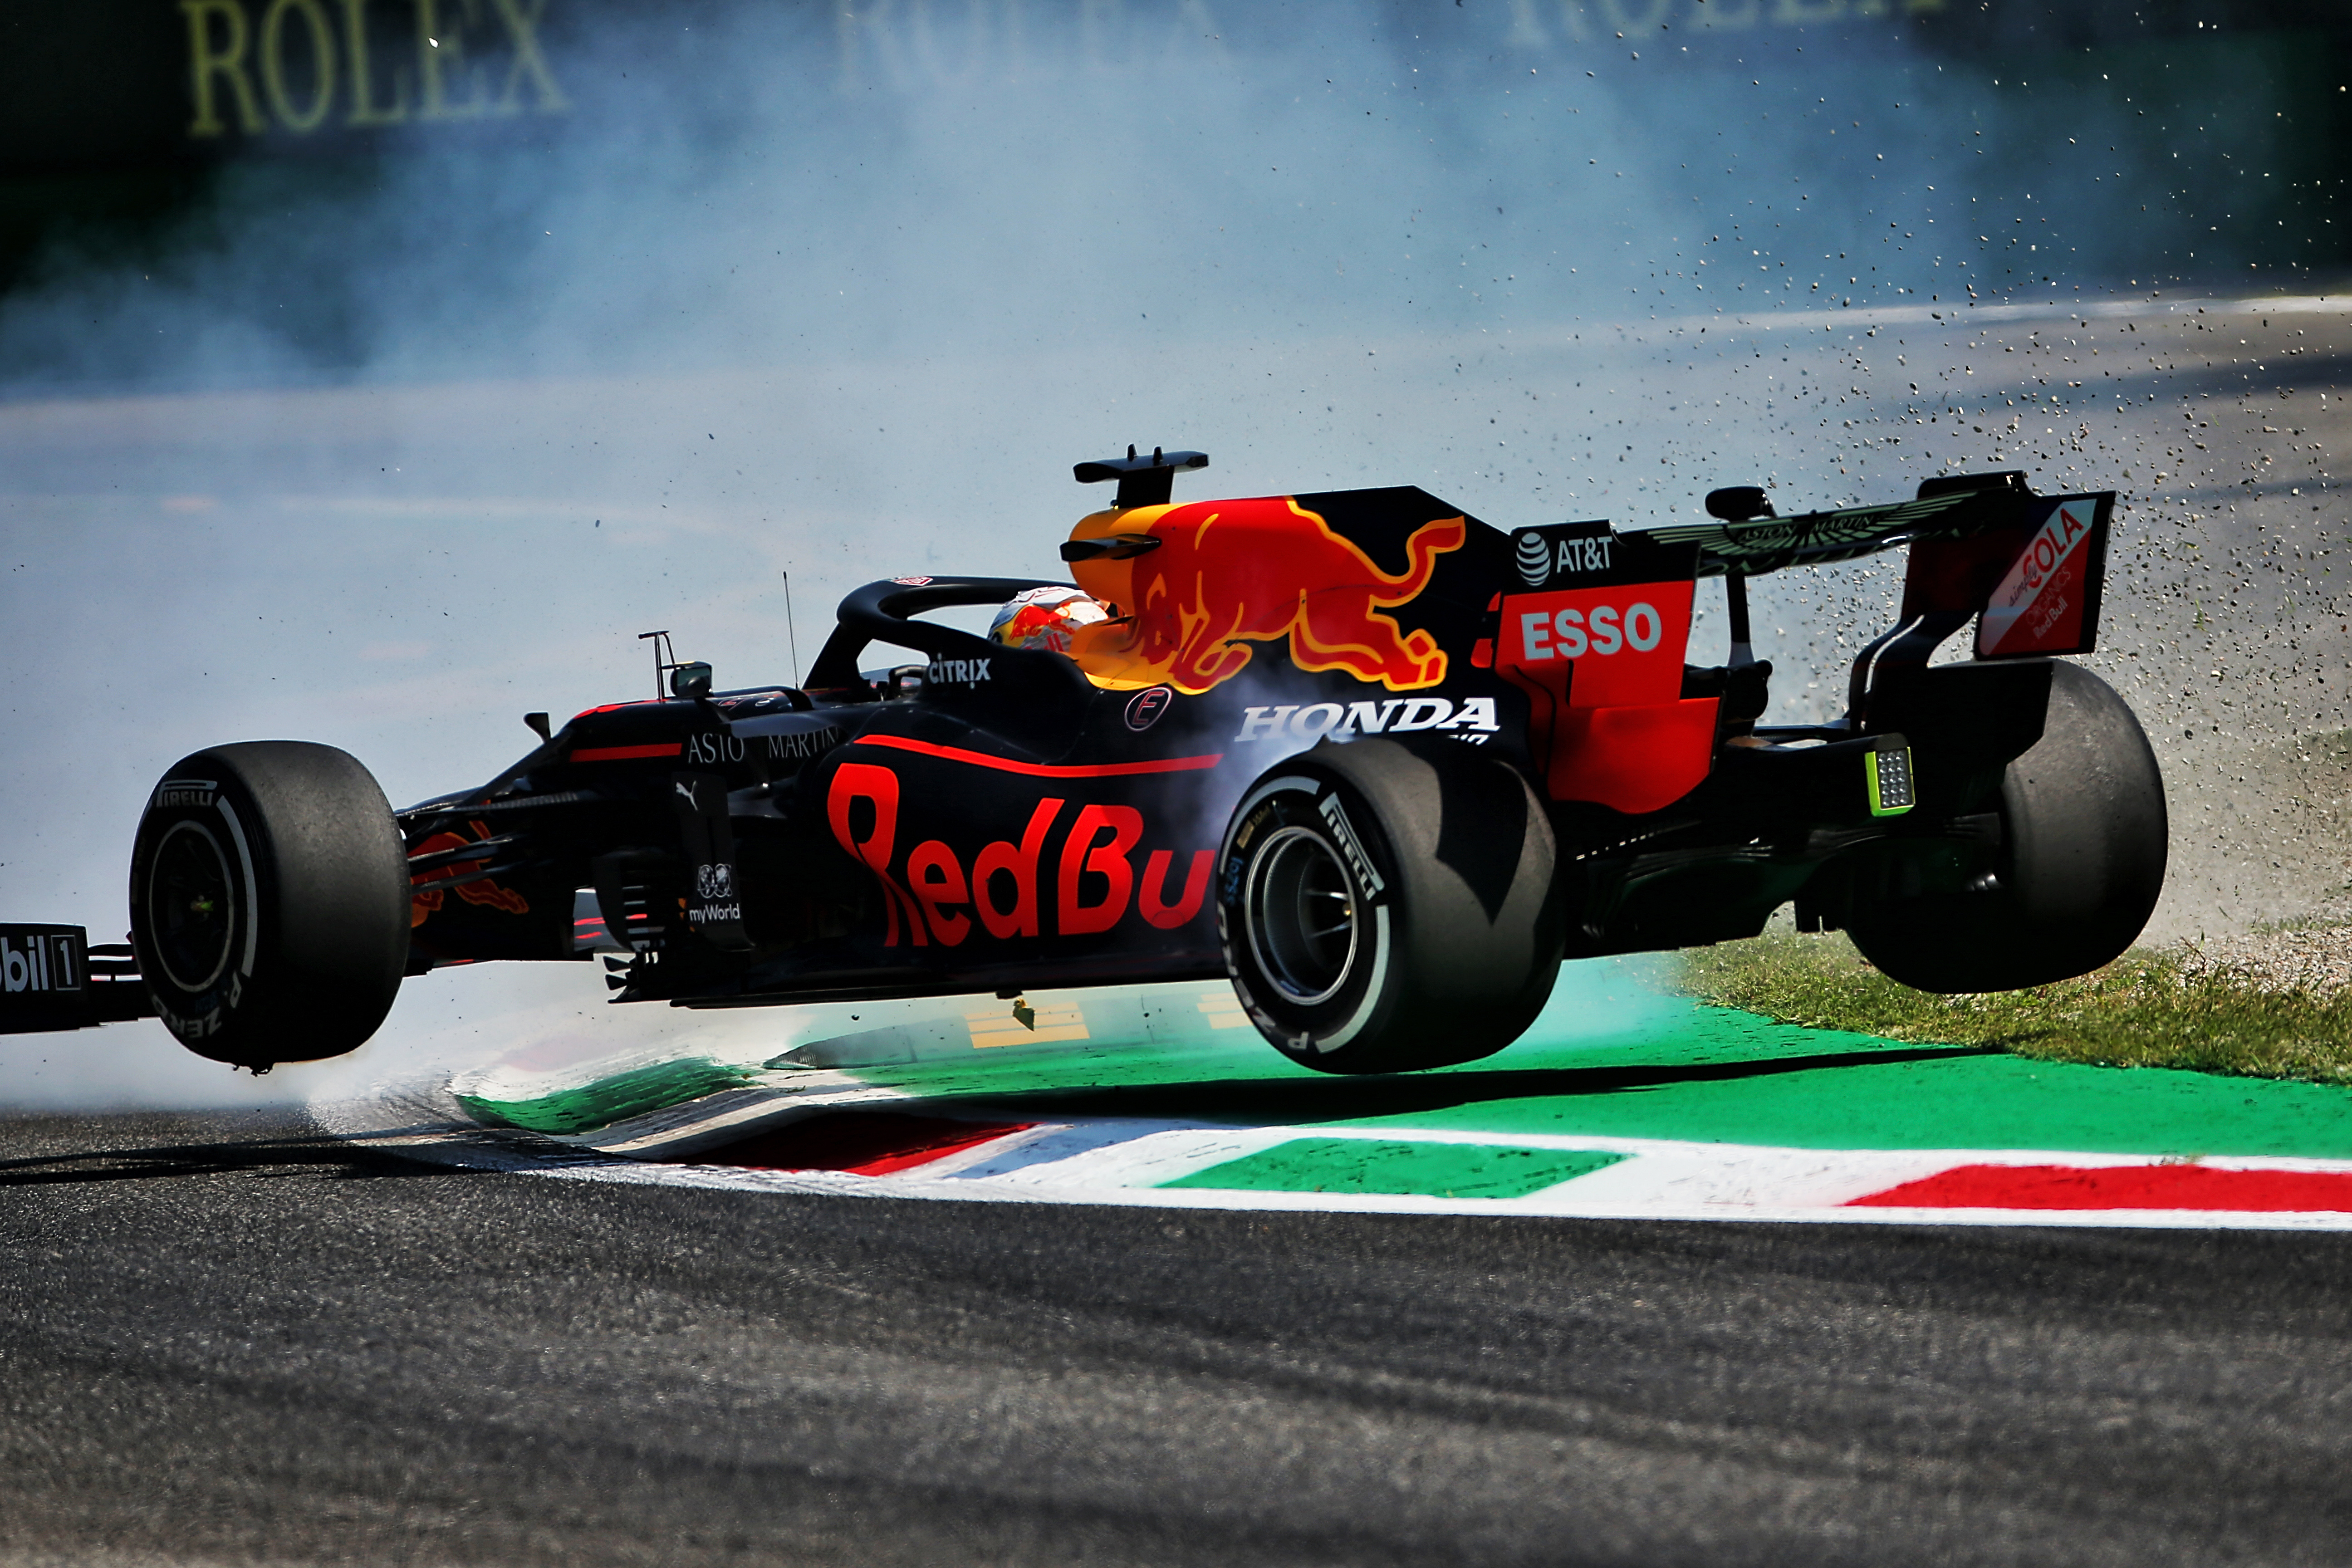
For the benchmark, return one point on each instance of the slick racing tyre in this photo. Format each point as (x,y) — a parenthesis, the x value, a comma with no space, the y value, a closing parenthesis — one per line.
(270,902)
(2082,861)
(1383,909)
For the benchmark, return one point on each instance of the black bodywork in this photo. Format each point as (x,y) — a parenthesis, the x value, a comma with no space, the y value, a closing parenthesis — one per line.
(1071,824)
(991,818)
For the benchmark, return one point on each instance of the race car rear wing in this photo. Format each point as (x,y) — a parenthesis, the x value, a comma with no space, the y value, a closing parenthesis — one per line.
(51,978)
(2030,567)
(1945,509)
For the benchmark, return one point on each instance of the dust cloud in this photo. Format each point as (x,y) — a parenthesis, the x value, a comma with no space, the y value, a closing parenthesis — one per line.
(383,450)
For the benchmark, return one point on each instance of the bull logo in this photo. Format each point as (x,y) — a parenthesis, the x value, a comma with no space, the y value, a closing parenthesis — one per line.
(1225,574)
(482,891)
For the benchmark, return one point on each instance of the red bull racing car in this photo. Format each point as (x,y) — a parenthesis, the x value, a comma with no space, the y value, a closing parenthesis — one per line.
(1381,765)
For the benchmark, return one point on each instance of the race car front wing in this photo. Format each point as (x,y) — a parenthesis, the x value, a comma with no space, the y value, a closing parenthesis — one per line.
(51,978)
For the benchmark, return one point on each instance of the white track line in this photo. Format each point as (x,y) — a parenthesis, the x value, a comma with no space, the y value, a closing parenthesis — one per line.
(1114,1164)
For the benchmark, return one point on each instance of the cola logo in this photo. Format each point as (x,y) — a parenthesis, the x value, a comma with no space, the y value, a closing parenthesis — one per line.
(1534,558)
(1144,708)
(715,881)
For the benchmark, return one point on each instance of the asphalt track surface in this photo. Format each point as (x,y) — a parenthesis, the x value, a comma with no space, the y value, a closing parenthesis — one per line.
(229,1339)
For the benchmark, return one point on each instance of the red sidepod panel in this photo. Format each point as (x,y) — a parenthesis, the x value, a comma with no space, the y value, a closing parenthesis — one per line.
(1605,663)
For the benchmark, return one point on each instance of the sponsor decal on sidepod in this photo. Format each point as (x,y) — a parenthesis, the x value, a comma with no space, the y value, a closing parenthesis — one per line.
(1398,716)
(485,893)
(1539,560)
(1565,634)
(1144,708)
(711,747)
(931,888)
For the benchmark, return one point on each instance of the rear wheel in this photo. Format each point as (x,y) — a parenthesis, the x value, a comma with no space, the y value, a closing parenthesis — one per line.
(1383,909)
(2082,861)
(270,902)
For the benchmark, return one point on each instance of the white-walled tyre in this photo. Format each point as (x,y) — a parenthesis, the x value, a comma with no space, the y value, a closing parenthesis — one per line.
(1385,907)
(270,902)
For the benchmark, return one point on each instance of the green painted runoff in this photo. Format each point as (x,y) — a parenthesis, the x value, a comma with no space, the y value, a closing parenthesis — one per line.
(1602,1061)
(1377,1165)
(1912,1098)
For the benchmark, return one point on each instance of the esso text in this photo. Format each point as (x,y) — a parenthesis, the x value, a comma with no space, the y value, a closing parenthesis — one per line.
(1607,629)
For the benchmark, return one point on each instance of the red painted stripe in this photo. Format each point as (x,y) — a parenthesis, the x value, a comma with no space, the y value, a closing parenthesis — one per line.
(863,1144)
(1042,770)
(627,754)
(2122,1187)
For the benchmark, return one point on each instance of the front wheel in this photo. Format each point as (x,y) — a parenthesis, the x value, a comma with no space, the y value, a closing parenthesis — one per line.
(270,902)
(1384,908)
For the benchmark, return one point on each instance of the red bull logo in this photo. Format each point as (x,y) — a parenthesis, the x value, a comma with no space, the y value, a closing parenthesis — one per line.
(1009,888)
(486,893)
(1225,574)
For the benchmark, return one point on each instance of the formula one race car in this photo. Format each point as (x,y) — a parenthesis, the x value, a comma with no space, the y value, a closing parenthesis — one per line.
(1379,764)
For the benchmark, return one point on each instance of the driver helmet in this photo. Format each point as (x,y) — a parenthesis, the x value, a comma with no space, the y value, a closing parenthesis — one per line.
(1045,619)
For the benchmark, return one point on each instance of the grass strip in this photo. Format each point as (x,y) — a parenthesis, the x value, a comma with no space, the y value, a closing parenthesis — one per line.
(2146,1009)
